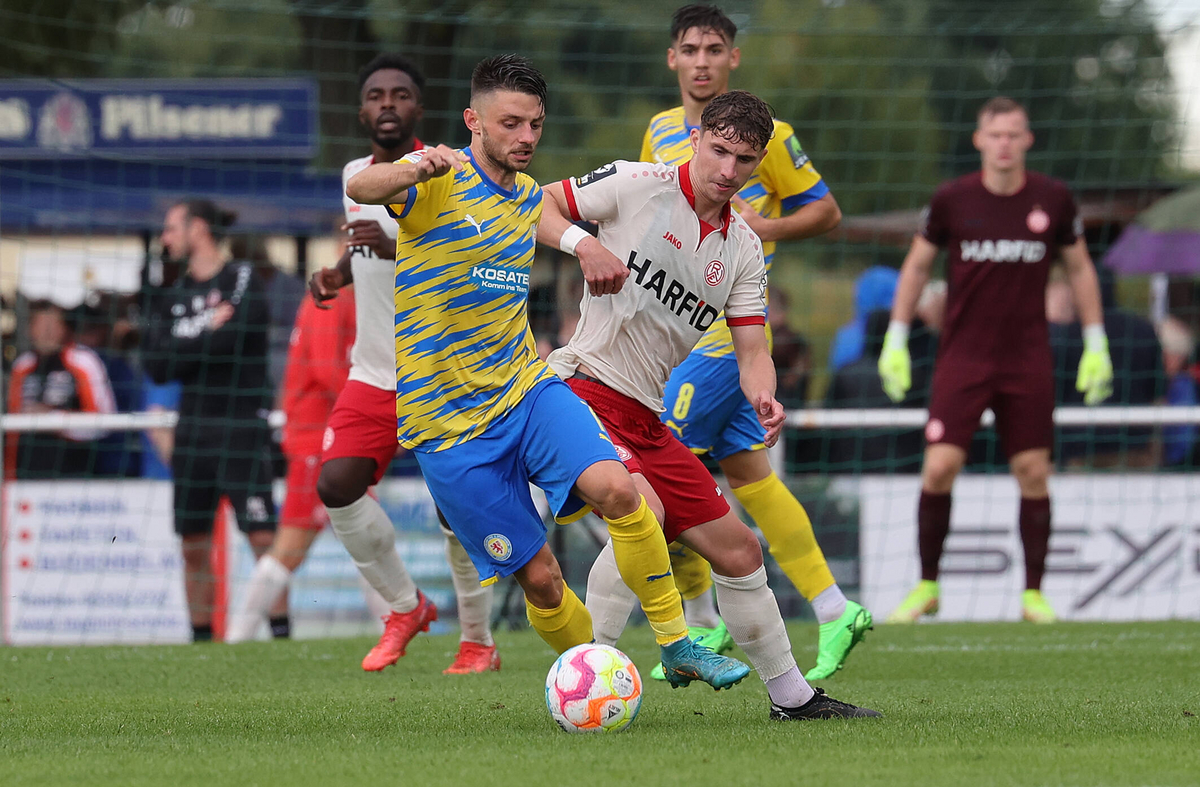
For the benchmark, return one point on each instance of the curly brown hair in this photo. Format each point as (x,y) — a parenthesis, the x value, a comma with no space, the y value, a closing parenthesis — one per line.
(739,116)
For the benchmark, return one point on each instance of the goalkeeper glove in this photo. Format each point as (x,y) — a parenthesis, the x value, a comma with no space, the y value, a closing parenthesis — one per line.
(1095,376)
(895,365)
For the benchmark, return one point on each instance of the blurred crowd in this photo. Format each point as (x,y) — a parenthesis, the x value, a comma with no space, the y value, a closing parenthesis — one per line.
(87,359)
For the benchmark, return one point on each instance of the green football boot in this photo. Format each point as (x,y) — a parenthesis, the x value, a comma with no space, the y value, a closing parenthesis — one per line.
(1035,608)
(715,639)
(837,638)
(922,601)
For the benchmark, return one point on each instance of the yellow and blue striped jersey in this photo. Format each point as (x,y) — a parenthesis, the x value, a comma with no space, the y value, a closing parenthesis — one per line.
(464,353)
(784,181)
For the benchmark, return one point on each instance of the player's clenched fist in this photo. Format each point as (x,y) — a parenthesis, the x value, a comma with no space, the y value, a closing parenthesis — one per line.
(324,285)
(895,365)
(438,161)
(603,271)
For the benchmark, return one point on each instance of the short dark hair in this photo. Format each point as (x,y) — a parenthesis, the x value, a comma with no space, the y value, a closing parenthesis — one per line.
(44,305)
(508,72)
(1000,105)
(392,61)
(219,221)
(705,17)
(739,116)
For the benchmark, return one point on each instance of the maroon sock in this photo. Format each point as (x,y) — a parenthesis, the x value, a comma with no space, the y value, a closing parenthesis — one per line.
(1035,536)
(933,524)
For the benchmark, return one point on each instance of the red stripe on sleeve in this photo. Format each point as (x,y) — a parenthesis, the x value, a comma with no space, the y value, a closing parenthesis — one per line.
(571,206)
(757,319)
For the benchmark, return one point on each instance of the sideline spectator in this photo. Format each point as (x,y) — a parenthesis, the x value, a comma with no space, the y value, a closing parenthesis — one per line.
(99,327)
(1178,345)
(209,331)
(284,292)
(858,385)
(56,375)
(874,289)
(790,351)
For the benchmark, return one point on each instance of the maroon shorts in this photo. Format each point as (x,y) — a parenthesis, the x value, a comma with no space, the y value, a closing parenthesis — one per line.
(1022,400)
(362,424)
(302,507)
(687,490)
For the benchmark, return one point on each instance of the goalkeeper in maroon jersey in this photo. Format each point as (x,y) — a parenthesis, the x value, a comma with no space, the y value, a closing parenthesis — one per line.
(1002,227)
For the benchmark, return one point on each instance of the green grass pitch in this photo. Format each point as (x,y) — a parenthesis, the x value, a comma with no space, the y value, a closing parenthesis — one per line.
(984,704)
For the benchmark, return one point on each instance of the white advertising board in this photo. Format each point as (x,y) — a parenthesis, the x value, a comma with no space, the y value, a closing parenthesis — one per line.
(91,562)
(1123,547)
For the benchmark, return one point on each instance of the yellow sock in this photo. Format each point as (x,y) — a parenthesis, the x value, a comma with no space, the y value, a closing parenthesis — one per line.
(789,531)
(641,552)
(565,627)
(693,574)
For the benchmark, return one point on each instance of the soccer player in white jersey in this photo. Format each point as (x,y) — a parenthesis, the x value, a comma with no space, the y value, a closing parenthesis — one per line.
(785,199)
(686,258)
(360,438)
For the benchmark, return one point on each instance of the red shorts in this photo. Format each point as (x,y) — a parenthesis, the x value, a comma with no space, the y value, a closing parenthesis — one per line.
(1022,400)
(302,507)
(688,492)
(362,424)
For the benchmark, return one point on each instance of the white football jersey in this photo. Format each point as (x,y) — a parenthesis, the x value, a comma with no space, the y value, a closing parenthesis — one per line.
(373,356)
(682,276)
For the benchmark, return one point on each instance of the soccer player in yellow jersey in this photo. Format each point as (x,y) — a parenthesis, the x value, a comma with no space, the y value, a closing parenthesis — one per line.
(785,199)
(484,416)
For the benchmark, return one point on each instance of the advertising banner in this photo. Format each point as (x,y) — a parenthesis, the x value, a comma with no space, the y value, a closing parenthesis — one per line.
(1123,547)
(91,562)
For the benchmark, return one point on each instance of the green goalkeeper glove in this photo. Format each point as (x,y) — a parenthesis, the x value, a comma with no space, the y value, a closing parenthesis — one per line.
(1095,376)
(895,365)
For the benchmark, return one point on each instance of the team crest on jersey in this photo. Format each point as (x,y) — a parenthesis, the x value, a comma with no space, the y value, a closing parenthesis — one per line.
(714,273)
(595,175)
(623,453)
(935,430)
(1037,220)
(498,546)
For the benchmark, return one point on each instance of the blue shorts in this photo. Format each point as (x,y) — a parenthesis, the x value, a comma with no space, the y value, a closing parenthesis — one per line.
(482,485)
(707,410)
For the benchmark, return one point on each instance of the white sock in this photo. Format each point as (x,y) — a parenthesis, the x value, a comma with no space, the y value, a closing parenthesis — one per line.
(609,600)
(376,606)
(364,529)
(752,615)
(830,604)
(701,611)
(789,690)
(474,600)
(270,578)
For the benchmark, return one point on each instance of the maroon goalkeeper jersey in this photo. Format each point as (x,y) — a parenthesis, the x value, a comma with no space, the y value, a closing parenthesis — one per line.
(1000,250)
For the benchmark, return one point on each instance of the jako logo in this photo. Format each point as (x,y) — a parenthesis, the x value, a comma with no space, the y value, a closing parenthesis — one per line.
(671,239)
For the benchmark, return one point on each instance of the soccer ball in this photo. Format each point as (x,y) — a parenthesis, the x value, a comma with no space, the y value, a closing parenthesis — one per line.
(593,688)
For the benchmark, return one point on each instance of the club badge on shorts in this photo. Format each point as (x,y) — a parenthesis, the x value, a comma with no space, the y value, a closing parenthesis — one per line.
(498,546)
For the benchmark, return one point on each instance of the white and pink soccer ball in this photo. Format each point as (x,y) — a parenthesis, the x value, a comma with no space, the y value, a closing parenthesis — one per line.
(593,688)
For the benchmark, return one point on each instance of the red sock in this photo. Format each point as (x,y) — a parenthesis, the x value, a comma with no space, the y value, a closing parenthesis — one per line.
(1035,536)
(933,525)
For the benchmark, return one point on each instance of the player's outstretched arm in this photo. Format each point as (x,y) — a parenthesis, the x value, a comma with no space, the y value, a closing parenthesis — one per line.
(807,221)
(756,371)
(1095,377)
(603,271)
(895,364)
(386,183)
